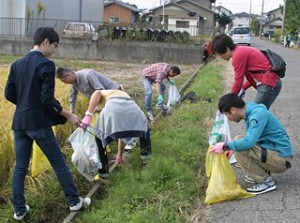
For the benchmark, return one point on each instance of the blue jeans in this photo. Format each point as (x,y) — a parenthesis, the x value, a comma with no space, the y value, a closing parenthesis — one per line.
(267,94)
(148,92)
(48,143)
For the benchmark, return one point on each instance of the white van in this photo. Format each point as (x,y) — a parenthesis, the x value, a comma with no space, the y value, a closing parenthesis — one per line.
(241,35)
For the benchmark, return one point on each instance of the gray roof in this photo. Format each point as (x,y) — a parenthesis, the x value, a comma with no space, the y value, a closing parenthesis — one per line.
(125,5)
(177,4)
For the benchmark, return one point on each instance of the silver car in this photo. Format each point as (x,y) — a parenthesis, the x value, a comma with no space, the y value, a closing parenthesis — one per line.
(241,35)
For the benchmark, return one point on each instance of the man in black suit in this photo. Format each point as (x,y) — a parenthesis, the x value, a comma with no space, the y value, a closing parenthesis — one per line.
(30,86)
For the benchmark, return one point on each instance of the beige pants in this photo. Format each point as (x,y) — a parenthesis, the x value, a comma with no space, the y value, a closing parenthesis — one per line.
(252,165)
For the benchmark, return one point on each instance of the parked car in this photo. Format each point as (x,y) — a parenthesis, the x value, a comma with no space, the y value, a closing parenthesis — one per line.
(241,35)
(269,33)
(80,30)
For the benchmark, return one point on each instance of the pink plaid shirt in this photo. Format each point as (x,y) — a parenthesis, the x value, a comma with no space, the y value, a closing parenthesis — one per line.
(156,72)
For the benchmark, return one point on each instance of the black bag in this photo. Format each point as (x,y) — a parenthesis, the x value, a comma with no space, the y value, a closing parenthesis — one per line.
(278,63)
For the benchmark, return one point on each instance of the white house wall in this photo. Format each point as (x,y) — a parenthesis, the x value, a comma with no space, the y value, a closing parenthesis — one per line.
(12,9)
(192,30)
(241,21)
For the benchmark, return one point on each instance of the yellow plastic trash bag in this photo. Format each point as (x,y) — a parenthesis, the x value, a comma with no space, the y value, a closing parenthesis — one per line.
(222,184)
(39,162)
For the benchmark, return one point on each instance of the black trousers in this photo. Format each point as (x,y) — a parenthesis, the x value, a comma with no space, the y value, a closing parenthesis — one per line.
(145,145)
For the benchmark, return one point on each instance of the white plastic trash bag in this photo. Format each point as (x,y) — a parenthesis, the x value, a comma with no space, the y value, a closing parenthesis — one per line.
(86,154)
(174,95)
(221,132)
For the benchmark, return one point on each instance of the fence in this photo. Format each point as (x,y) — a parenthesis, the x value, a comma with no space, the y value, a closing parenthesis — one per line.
(26,27)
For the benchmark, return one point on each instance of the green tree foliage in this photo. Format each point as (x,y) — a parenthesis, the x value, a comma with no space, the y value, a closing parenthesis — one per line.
(41,9)
(292,21)
(255,26)
(224,20)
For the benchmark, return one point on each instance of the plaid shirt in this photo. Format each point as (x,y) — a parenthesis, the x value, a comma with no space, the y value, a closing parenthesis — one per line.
(155,73)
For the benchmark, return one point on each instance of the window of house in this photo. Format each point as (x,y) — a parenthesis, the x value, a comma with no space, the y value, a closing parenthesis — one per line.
(114,19)
(182,24)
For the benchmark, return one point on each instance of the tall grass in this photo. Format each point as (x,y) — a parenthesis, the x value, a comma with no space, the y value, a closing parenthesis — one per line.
(6,142)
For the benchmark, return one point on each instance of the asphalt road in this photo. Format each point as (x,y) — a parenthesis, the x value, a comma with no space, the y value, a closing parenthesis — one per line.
(283,204)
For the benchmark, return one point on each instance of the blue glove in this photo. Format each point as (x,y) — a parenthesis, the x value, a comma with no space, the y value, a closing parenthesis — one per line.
(172,82)
(160,99)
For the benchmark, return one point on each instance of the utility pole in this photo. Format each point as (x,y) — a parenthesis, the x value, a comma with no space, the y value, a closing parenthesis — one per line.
(262,17)
(283,20)
(250,13)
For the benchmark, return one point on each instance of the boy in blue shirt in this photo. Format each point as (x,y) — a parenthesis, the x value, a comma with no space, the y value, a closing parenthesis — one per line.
(265,148)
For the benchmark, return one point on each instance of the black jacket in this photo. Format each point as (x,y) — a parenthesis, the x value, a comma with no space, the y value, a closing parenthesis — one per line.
(30,86)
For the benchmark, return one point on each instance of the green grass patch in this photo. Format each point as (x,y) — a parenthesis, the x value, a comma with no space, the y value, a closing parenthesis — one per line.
(169,187)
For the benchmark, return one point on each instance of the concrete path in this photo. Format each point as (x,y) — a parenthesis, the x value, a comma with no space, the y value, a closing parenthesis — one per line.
(283,204)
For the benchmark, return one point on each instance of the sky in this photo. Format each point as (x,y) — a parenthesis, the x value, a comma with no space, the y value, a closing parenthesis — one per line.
(235,6)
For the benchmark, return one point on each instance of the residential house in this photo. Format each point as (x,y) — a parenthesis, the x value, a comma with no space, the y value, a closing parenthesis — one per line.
(192,16)
(120,14)
(23,16)
(273,20)
(241,19)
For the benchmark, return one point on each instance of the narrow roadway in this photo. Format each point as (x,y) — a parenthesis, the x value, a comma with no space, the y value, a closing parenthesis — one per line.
(283,204)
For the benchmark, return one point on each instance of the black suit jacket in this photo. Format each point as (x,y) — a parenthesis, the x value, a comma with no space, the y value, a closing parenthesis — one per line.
(30,86)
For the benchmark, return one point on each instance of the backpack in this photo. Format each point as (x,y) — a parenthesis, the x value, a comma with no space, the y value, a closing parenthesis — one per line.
(277,62)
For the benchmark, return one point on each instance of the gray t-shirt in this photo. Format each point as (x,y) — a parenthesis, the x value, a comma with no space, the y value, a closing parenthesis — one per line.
(89,80)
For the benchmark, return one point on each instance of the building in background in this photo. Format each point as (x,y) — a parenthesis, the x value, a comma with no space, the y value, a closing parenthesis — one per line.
(120,14)
(22,17)
(273,20)
(193,16)
(241,19)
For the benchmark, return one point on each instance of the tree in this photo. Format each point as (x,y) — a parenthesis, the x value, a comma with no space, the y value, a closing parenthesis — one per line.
(41,9)
(255,26)
(224,20)
(292,18)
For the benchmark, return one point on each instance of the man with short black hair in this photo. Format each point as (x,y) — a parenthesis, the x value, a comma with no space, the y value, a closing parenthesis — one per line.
(264,149)
(30,86)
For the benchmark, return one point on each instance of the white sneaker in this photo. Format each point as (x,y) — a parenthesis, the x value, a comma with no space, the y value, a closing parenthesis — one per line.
(83,202)
(129,147)
(263,187)
(19,217)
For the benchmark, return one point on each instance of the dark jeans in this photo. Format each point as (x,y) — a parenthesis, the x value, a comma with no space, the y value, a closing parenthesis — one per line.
(46,140)
(267,94)
(145,144)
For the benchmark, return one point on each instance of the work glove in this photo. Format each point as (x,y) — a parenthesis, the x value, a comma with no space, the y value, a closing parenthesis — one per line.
(172,82)
(86,121)
(160,99)
(242,93)
(217,148)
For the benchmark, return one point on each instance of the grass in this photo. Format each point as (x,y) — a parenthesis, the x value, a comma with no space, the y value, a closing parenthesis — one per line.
(168,189)
(172,184)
